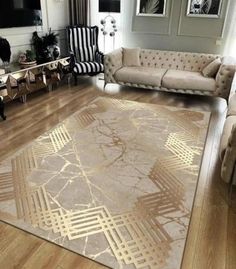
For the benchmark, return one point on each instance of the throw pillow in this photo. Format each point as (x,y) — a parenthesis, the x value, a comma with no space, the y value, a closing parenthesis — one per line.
(212,68)
(131,57)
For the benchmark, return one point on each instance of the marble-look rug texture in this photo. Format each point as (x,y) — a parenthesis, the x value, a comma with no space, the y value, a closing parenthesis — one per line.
(115,182)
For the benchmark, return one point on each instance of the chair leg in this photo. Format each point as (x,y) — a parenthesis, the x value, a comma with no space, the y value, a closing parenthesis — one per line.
(75,79)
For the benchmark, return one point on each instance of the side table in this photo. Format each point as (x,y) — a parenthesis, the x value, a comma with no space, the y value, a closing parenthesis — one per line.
(18,83)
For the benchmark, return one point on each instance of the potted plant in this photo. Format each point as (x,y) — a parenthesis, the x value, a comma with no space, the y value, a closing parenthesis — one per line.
(27,59)
(46,47)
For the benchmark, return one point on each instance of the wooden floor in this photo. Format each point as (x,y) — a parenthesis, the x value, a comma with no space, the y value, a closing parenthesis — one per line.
(211,242)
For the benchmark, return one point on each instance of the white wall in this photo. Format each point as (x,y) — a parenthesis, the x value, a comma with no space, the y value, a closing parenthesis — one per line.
(106,42)
(134,31)
(174,32)
(55,15)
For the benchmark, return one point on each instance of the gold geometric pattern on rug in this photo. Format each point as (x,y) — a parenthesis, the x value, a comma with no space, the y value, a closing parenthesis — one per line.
(43,150)
(6,187)
(134,237)
(59,137)
(84,119)
(138,236)
(179,144)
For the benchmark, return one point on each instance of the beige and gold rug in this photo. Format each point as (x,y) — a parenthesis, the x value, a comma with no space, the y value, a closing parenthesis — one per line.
(115,182)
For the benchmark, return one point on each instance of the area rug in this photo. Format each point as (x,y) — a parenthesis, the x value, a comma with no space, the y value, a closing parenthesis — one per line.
(115,182)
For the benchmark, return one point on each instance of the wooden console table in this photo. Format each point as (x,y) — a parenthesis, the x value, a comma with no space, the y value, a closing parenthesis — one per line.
(18,83)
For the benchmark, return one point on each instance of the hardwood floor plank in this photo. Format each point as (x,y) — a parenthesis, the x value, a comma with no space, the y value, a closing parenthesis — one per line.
(231,238)
(18,250)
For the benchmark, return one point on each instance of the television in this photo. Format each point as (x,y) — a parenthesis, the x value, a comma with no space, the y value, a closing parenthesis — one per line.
(20,13)
(109,6)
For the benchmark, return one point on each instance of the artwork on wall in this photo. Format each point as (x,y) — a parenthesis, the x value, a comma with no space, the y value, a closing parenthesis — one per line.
(204,8)
(151,8)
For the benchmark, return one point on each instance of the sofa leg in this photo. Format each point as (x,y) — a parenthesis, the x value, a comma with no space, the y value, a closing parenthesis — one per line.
(105,84)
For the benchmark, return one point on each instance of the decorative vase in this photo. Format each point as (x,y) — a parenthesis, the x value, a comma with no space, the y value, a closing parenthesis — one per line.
(47,55)
(56,52)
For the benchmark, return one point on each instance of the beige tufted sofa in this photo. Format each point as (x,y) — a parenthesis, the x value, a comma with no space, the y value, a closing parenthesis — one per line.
(170,71)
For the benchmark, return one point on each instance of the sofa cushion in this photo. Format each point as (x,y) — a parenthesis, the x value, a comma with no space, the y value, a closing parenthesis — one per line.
(131,57)
(212,68)
(229,123)
(187,80)
(187,61)
(140,75)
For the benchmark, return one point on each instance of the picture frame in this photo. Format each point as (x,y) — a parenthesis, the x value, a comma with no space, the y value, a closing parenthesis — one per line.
(151,8)
(204,8)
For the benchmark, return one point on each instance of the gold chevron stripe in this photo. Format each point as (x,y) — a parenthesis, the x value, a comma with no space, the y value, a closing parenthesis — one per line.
(59,137)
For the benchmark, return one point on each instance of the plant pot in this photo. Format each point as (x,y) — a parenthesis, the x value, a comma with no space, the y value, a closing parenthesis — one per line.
(27,64)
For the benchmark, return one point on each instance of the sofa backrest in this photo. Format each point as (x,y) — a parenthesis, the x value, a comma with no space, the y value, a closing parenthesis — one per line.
(176,60)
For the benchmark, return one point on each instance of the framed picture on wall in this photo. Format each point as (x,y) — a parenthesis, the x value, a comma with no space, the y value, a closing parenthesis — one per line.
(151,8)
(204,8)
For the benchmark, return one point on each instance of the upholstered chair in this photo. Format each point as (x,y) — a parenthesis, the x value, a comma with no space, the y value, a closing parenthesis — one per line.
(85,55)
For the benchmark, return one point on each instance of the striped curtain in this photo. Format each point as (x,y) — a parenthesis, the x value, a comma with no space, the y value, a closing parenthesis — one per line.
(79,12)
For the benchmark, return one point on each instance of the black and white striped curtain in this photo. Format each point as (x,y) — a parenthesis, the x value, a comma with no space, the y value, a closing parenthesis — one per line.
(79,12)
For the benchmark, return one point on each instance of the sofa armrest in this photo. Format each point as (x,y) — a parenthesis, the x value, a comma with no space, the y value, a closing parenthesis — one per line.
(229,160)
(99,57)
(232,104)
(224,77)
(112,62)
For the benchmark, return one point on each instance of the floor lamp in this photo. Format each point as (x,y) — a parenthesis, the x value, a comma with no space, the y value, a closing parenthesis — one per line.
(105,31)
